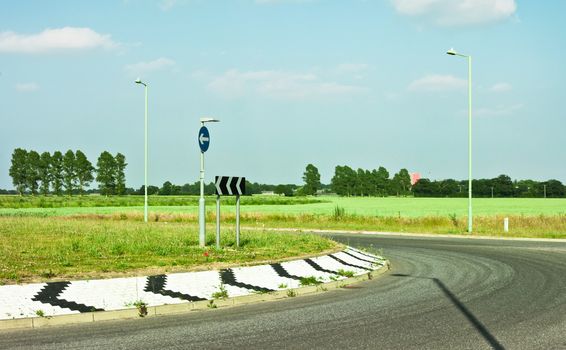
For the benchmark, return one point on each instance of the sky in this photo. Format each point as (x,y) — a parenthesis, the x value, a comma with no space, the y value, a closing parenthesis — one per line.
(358,83)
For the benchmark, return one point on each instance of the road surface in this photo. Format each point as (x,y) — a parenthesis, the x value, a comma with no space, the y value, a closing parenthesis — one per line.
(441,293)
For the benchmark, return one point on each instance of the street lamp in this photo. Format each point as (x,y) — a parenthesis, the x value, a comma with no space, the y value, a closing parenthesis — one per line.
(454,53)
(138,81)
(201,203)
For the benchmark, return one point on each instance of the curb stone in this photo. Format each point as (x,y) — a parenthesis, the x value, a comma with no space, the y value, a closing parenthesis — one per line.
(184,307)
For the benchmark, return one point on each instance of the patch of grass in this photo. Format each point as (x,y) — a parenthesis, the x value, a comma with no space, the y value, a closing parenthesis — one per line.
(291,293)
(222,293)
(310,281)
(38,249)
(345,273)
(211,304)
(282,286)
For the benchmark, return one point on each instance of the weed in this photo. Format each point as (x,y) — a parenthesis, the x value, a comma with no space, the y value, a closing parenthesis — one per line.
(291,293)
(345,273)
(334,278)
(221,294)
(142,307)
(339,213)
(211,304)
(453,219)
(40,313)
(310,281)
(282,286)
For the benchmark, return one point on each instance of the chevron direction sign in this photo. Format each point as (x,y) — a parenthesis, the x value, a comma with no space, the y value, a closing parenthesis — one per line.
(230,185)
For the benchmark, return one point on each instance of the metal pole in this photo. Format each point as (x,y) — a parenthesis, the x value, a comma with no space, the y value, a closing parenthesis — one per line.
(145,158)
(237,221)
(201,212)
(217,222)
(469,144)
(544,191)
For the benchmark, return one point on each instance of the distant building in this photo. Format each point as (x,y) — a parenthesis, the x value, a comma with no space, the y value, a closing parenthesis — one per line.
(414,178)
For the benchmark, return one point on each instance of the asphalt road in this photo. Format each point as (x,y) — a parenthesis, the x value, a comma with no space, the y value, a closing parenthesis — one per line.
(440,294)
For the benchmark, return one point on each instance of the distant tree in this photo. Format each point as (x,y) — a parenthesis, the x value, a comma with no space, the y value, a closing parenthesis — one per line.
(121,164)
(286,190)
(45,172)
(69,172)
(56,174)
(338,183)
(401,183)
(382,181)
(83,171)
(106,173)
(448,188)
(165,190)
(554,189)
(502,186)
(18,170)
(32,171)
(426,188)
(311,177)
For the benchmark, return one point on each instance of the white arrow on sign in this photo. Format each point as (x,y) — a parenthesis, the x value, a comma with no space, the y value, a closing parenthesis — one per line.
(238,185)
(202,139)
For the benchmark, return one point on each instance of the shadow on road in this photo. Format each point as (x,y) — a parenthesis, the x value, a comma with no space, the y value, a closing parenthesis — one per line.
(463,309)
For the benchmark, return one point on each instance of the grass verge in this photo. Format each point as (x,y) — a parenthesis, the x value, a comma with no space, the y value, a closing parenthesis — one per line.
(41,249)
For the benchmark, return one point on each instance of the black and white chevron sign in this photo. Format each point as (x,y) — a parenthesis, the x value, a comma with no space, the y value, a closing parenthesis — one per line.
(230,185)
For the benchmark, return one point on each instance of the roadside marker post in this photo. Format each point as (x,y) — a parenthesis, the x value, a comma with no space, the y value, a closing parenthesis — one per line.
(229,186)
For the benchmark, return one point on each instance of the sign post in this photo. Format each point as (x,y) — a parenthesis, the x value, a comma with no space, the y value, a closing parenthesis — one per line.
(203,142)
(229,186)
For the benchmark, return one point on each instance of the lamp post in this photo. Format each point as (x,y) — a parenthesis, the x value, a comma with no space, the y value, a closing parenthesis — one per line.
(454,53)
(138,81)
(201,202)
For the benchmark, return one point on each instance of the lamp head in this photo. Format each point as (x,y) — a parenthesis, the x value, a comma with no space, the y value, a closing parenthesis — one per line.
(209,120)
(451,52)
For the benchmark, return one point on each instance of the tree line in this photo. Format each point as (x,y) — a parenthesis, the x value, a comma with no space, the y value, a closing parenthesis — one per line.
(377,182)
(69,173)
(501,186)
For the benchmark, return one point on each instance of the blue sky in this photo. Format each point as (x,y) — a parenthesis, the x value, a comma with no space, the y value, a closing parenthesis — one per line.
(359,83)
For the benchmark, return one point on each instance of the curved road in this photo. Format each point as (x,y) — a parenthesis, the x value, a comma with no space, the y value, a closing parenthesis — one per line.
(440,294)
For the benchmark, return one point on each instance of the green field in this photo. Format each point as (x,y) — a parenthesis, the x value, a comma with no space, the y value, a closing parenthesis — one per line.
(366,206)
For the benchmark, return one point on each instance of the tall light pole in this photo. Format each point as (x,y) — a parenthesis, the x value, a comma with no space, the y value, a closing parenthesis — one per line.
(454,53)
(138,81)
(204,141)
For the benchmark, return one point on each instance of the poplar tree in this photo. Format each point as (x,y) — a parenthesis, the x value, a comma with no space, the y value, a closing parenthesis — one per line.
(45,172)
(120,161)
(83,170)
(106,173)
(69,172)
(32,171)
(18,169)
(57,172)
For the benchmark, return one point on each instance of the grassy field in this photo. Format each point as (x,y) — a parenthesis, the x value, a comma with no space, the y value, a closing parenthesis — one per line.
(61,241)
(382,207)
(40,249)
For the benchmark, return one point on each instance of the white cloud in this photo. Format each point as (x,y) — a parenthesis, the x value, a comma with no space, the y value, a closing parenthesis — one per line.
(278,84)
(501,87)
(437,83)
(457,12)
(166,5)
(27,87)
(141,68)
(498,111)
(58,39)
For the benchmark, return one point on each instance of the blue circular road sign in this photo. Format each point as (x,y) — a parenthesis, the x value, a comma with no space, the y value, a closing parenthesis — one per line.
(203,139)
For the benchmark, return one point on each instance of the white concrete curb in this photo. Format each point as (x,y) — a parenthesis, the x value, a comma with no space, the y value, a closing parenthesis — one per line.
(39,304)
